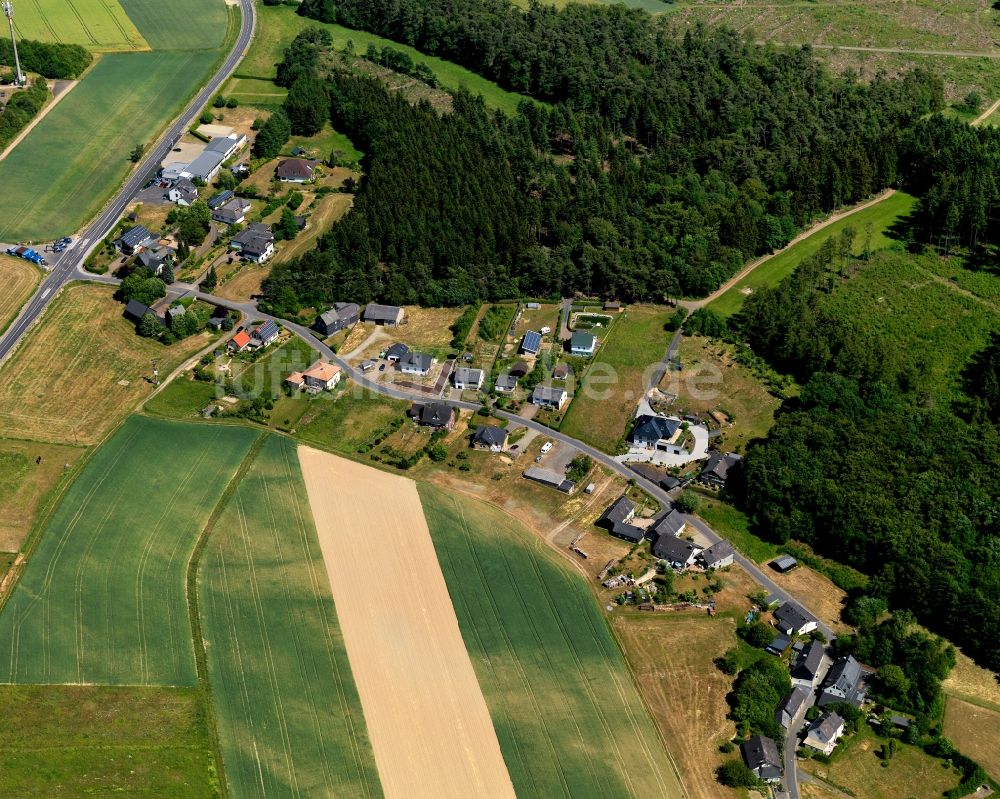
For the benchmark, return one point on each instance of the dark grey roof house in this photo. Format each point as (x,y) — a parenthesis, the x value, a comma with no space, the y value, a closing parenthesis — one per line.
(550,478)
(491,437)
(582,343)
(341,315)
(676,551)
(658,476)
(616,520)
(256,243)
(220,199)
(823,733)
(761,756)
(396,351)
(295,170)
(232,212)
(174,313)
(792,706)
(416,363)
(844,683)
(433,414)
(134,239)
(793,620)
(717,469)
(135,310)
(807,667)
(505,383)
(388,315)
(779,645)
(648,430)
(671,523)
(717,556)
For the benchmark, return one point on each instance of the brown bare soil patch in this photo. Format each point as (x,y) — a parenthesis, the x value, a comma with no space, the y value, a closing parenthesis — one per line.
(816,592)
(246,283)
(972,682)
(976,733)
(428,722)
(18,279)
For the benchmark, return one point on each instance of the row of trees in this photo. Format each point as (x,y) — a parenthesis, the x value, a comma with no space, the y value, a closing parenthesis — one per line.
(48,59)
(21,109)
(476,205)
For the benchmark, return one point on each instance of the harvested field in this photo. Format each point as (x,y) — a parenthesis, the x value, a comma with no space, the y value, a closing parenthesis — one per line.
(246,283)
(816,592)
(95,24)
(972,682)
(322,215)
(68,741)
(102,370)
(19,279)
(413,673)
(569,718)
(976,733)
(25,483)
(288,712)
(695,727)
(102,598)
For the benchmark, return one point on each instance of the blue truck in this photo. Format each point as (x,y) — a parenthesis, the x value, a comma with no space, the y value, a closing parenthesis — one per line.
(27,254)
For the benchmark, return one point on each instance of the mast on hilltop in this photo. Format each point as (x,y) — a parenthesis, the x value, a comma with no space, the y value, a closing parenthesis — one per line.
(8,10)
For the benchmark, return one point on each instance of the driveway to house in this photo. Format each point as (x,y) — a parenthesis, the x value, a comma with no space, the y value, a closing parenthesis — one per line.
(699,451)
(564,331)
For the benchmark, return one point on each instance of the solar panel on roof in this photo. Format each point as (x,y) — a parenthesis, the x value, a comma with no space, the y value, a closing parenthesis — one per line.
(532,341)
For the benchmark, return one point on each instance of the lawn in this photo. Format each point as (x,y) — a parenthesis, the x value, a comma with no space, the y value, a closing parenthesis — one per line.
(349,420)
(616,380)
(67,167)
(975,731)
(712,381)
(857,770)
(180,24)
(734,526)
(73,740)
(80,370)
(695,727)
(881,216)
(96,24)
(29,471)
(278,25)
(182,398)
(102,598)
(288,712)
(322,215)
(565,709)
(19,280)
(324,143)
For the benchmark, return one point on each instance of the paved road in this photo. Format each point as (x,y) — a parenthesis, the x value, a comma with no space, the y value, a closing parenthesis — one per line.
(69,265)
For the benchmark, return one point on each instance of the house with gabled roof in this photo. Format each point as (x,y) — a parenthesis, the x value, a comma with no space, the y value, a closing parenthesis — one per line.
(256,243)
(433,414)
(844,682)
(717,556)
(671,523)
(531,342)
(387,315)
(232,212)
(341,315)
(792,707)
(505,383)
(678,552)
(792,619)
(240,342)
(810,665)
(467,379)
(489,437)
(761,756)
(654,432)
(416,363)
(549,397)
(134,240)
(616,518)
(717,469)
(583,344)
(183,192)
(823,734)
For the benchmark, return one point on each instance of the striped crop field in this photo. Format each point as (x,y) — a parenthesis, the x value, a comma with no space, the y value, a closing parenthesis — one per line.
(288,712)
(95,24)
(102,599)
(72,161)
(566,711)
(179,24)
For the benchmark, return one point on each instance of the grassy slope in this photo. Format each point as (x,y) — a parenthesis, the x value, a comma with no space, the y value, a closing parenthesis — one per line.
(171,26)
(95,24)
(65,169)
(73,741)
(289,715)
(568,716)
(102,598)
(634,346)
(278,25)
(882,216)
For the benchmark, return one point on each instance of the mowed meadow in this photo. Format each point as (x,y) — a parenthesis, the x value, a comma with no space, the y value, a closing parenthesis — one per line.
(102,599)
(564,706)
(288,712)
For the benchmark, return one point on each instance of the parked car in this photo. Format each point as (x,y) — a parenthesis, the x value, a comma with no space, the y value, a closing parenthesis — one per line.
(381,367)
(546,447)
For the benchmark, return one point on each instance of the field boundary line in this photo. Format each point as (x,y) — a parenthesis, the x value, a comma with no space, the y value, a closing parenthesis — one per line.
(194,614)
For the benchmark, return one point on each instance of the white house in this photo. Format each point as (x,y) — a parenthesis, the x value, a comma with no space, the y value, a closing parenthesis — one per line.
(824,733)
(468,379)
(321,376)
(582,344)
(416,363)
(183,192)
(793,620)
(549,397)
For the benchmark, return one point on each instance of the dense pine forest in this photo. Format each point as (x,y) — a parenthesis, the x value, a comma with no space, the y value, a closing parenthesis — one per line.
(676,163)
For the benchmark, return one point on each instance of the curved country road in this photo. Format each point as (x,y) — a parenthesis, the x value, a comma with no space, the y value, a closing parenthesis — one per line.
(70,262)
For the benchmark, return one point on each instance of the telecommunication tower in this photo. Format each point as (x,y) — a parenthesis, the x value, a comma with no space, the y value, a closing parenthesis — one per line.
(8,10)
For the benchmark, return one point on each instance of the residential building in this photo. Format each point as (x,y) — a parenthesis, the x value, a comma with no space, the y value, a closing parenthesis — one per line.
(134,240)
(174,314)
(468,379)
(823,734)
(717,469)
(206,166)
(531,342)
(156,259)
(717,556)
(677,552)
(490,437)
(295,170)
(321,376)
(612,305)
(183,192)
(266,333)
(761,756)
(549,397)
(220,199)
(671,523)
(341,315)
(779,645)
(239,342)
(784,563)
(135,310)
(791,619)
(232,212)
(582,343)
(395,352)
(506,383)
(388,315)
(256,243)
(654,432)
(792,707)
(416,363)
(550,478)
(616,518)
(844,683)
(809,665)
(561,371)
(433,414)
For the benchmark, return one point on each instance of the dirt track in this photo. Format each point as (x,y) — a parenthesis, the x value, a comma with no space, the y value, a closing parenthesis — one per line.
(428,722)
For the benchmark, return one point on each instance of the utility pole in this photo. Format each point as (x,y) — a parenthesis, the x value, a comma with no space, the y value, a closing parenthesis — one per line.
(156,373)
(19,78)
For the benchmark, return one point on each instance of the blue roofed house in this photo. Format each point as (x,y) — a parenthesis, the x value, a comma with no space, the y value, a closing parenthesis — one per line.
(266,333)
(531,342)
(134,240)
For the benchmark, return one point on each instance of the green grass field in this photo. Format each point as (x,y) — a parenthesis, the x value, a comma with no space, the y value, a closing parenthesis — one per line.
(288,712)
(278,25)
(635,344)
(69,741)
(65,169)
(567,714)
(345,423)
(95,24)
(881,216)
(179,24)
(102,598)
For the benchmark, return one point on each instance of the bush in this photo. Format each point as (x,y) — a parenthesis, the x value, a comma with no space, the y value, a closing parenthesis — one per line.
(460,327)
(758,634)
(736,774)
(687,502)
(206,118)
